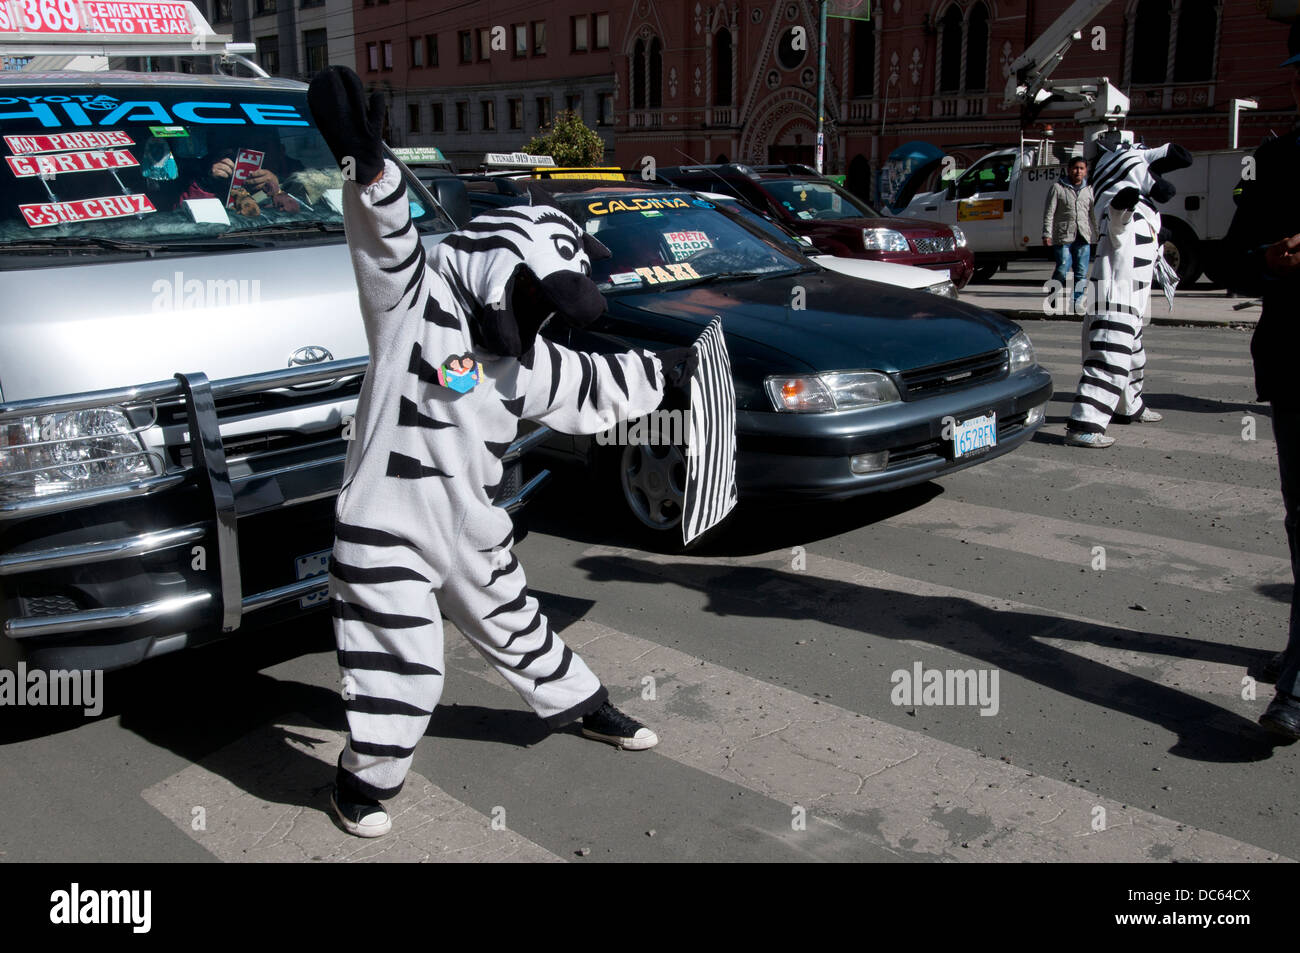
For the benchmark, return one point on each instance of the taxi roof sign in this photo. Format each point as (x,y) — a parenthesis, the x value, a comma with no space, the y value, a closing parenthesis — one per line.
(582,172)
(515,160)
(417,154)
(79,21)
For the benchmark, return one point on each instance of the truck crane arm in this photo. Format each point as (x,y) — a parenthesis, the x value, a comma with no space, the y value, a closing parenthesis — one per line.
(1030,86)
(1030,70)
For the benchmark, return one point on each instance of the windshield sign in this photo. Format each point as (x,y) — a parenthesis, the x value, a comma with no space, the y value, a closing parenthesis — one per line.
(167,165)
(662,240)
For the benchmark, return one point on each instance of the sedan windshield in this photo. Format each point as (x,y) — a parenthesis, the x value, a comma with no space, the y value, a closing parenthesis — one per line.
(812,200)
(114,166)
(666,239)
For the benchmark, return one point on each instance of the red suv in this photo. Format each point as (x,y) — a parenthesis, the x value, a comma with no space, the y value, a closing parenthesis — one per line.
(834,220)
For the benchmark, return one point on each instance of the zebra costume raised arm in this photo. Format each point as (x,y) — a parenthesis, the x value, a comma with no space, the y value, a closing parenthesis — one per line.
(1126,186)
(456,362)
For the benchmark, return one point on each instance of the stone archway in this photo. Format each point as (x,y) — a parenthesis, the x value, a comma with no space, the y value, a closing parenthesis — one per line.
(785,126)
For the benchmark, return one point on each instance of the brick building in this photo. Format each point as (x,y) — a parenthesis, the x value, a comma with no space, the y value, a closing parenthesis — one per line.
(294,38)
(485,77)
(713,80)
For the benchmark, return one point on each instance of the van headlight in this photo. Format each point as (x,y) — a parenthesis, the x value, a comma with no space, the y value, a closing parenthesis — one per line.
(64,452)
(945,288)
(883,239)
(837,390)
(1020,352)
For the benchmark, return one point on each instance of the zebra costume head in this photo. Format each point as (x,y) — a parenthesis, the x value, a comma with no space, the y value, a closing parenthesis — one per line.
(1134,167)
(513,268)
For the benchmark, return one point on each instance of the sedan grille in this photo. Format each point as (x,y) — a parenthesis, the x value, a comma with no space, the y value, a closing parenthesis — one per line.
(934,246)
(938,378)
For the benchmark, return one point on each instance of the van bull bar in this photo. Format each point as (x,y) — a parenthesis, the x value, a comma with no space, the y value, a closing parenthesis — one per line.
(191,499)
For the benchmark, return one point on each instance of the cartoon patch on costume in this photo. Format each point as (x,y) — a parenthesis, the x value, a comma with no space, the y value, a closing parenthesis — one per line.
(460,373)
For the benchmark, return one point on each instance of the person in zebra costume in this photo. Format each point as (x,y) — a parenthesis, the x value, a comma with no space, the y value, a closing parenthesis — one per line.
(1126,186)
(456,363)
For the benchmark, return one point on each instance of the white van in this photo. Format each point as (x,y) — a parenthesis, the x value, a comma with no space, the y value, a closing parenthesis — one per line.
(181,344)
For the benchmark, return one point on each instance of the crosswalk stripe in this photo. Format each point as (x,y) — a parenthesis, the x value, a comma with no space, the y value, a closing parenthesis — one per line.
(1158,376)
(922,796)
(1156,359)
(1187,495)
(1166,439)
(1226,342)
(1174,561)
(279,811)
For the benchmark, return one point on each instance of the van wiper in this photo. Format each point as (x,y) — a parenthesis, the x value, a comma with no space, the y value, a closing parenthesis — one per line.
(329,228)
(85,241)
(114,244)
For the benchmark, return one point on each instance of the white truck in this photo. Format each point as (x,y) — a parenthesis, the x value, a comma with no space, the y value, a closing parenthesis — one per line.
(998,202)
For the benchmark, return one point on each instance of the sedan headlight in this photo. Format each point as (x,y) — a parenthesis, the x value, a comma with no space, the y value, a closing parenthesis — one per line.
(945,288)
(839,390)
(64,452)
(883,239)
(1021,352)
(959,236)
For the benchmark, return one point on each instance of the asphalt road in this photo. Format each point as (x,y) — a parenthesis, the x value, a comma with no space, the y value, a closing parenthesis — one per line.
(764,661)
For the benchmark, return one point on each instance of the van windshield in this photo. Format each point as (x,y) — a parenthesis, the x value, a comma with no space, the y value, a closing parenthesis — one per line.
(123,164)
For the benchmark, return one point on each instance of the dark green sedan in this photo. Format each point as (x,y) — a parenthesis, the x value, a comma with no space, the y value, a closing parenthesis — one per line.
(844,386)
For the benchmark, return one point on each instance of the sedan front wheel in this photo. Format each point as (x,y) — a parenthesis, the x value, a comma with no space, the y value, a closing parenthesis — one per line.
(653,480)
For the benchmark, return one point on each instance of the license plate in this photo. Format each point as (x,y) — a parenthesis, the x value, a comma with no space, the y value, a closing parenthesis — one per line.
(313,564)
(974,435)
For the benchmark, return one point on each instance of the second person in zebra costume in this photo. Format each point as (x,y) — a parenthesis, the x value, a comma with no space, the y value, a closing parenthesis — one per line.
(1126,185)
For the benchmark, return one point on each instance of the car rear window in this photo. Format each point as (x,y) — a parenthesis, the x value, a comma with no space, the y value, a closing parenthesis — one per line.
(159,164)
(813,200)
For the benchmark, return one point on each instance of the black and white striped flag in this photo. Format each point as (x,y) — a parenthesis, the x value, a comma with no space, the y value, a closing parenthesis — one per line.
(711,442)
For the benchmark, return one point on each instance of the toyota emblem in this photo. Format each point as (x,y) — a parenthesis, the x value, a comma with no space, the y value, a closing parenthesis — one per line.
(311,354)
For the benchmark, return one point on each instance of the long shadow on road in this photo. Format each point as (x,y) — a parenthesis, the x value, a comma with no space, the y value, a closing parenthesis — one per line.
(1006,639)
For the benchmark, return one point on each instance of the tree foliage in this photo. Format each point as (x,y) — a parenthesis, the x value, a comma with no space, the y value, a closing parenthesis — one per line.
(568,141)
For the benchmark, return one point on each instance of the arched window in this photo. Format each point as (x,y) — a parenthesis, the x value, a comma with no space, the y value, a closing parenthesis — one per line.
(638,75)
(864,57)
(1194,47)
(722,68)
(950,51)
(1151,42)
(656,74)
(977,48)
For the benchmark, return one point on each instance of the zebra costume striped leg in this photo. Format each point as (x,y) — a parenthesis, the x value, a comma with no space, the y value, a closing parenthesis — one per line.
(417,531)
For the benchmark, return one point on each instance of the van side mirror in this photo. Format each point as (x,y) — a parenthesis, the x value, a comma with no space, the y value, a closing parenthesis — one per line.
(453,197)
(951,192)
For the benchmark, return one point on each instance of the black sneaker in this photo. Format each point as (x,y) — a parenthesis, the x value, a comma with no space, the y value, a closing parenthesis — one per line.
(1282,717)
(364,817)
(611,725)
(1272,669)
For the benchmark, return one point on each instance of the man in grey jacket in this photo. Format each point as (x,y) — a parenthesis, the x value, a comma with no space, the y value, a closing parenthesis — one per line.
(1067,227)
